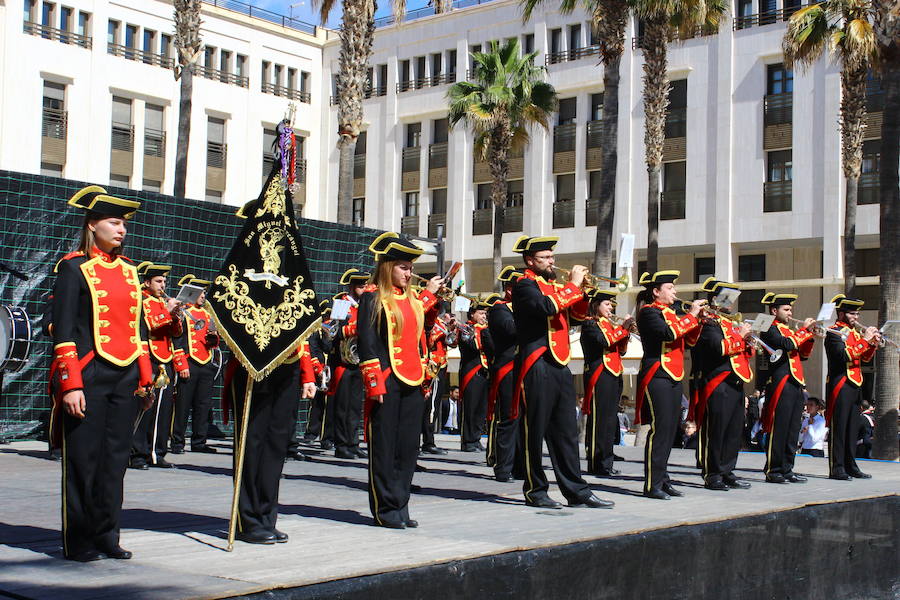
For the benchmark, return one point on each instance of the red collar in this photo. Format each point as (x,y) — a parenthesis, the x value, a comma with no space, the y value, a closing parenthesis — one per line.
(103,256)
(660,305)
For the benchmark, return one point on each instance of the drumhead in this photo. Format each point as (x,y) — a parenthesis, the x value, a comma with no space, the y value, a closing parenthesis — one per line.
(6,332)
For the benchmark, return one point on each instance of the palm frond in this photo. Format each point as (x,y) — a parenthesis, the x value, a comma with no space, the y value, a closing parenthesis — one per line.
(807,33)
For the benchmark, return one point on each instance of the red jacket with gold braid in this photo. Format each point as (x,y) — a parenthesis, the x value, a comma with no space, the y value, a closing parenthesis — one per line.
(197,341)
(664,335)
(97,316)
(386,349)
(797,346)
(163,327)
(721,349)
(845,358)
(437,349)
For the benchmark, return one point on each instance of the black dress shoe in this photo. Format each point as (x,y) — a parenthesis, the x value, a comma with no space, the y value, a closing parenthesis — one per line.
(344,453)
(794,478)
(162,463)
(280,536)
(326,444)
(86,556)
(657,494)
(592,501)
(840,476)
(736,484)
(309,438)
(471,448)
(605,472)
(177,450)
(670,490)
(502,477)
(775,478)
(139,465)
(204,449)
(257,536)
(119,553)
(297,455)
(360,453)
(716,484)
(617,457)
(544,503)
(859,475)
(411,523)
(433,450)
(391,524)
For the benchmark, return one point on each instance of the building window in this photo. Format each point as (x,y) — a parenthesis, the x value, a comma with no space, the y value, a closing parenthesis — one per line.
(594,178)
(779,80)
(751,267)
(451,64)
(473,49)
(119,180)
(483,196)
(112,32)
(777,189)
(411,204)
(869,183)
(555,41)
(359,211)
(47,13)
(704,267)
(672,201)
(240,65)
(149,41)
(574,39)
(565,188)
(165,45)
(122,128)
(515,193)
(53,123)
(154,131)
(404,74)
(214,196)
(597,107)
(268,152)
(676,114)
(131,34)
(65,18)
(528,43)
(413,135)
(28,15)
(225,61)
(151,185)
(567,111)
(382,81)
(51,170)
(437,66)
(439,201)
(215,143)
(84,23)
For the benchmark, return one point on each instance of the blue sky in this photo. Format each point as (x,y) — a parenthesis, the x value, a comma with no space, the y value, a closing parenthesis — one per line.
(302,9)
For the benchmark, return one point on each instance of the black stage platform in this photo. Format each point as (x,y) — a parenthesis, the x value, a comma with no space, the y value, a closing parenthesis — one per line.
(824,539)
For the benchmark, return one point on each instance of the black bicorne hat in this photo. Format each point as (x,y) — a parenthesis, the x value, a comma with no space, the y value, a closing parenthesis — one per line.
(390,246)
(530,245)
(95,199)
(148,270)
(354,277)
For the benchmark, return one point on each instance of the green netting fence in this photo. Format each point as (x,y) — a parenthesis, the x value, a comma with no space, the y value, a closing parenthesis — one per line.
(37,228)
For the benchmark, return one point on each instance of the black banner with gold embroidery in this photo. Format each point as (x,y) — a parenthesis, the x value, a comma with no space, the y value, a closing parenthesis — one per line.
(263,299)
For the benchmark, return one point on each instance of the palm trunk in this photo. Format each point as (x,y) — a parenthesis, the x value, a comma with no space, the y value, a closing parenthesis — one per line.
(184,130)
(656,99)
(498,162)
(346,154)
(887,388)
(853,113)
(850,195)
(609,135)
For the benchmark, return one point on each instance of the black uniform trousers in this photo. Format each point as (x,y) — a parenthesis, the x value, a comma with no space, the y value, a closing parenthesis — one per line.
(549,398)
(662,410)
(194,399)
(151,438)
(268,434)
(316,426)
(785,435)
(844,429)
(720,433)
(602,428)
(94,458)
(393,438)
(347,405)
(474,410)
(505,450)
(429,412)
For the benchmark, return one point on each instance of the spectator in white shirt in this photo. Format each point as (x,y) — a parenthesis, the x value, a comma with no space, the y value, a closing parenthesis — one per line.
(812,433)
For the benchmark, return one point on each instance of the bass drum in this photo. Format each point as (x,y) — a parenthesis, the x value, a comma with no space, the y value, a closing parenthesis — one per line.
(15,338)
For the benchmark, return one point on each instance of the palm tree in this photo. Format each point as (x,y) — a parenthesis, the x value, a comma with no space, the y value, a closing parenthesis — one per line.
(845,25)
(506,98)
(887,390)
(608,19)
(187,41)
(662,18)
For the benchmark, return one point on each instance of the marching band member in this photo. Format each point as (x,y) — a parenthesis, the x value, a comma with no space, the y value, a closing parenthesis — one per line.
(440,339)
(193,395)
(163,320)
(345,391)
(844,387)
(603,343)
(393,352)
(544,385)
(473,377)
(664,335)
(783,410)
(318,358)
(321,421)
(101,361)
(504,452)
(723,358)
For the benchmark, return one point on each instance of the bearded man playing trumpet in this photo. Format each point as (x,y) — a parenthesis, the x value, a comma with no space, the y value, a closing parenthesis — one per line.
(846,353)
(722,356)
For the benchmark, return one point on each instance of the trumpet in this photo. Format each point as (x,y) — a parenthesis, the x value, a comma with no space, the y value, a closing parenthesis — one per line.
(818,330)
(774,355)
(882,340)
(620,321)
(592,280)
(446,292)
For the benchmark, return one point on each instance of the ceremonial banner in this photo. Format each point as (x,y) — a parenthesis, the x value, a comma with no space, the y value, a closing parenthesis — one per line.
(263,299)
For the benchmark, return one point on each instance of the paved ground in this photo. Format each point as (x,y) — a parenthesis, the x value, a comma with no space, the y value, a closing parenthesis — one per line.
(175,521)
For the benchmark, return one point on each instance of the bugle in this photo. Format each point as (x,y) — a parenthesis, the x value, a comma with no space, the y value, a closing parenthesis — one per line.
(591,279)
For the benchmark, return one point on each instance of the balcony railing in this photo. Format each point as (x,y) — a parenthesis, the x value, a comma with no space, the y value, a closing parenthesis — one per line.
(763,18)
(777,196)
(482,221)
(676,122)
(869,189)
(435,220)
(426,11)
(368,92)
(564,138)
(671,205)
(140,55)
(553,58)
(874,101)
(359,166)
(409,225)
(425,82)
(410,161)
(437,155)
(593,134)
(678,35)
(216,154)
(563,214)
(512,219)
(123,137)
(266,15)
(223,76)
(54,123)
(778,109)
(300,170)
(154,142)
(59,35)
(286,92)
